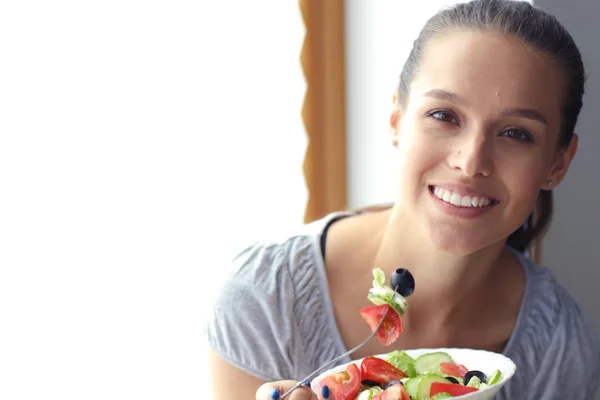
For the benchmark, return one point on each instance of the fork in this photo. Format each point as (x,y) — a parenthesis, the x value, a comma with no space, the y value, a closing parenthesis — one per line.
(322,367)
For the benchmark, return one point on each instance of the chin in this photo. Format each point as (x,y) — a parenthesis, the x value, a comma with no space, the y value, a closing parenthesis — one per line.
(458,242)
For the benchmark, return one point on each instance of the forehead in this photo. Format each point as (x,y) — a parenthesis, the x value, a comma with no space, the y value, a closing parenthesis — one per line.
(489,70)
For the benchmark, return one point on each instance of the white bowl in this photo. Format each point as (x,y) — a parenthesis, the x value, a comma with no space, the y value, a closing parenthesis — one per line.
(484,361)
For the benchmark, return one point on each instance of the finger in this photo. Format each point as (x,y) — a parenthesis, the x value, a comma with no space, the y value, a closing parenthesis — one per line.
(274,390)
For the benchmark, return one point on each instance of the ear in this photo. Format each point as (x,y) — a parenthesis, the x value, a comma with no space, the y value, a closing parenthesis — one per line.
(561,164)
(395,118)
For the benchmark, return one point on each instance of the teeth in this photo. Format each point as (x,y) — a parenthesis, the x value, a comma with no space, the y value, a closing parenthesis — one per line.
(466,201)
(446,196)
(456,199)
(460,201)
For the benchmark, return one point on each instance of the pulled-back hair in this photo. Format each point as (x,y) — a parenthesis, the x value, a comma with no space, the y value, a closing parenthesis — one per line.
(538,30)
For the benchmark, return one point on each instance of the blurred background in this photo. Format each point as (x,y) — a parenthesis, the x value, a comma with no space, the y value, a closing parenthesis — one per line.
(142,144)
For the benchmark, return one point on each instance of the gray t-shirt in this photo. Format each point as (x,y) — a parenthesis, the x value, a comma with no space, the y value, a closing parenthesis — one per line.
(274,319)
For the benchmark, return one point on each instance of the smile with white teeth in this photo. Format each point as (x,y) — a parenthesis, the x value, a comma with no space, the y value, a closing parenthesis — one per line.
(459,200)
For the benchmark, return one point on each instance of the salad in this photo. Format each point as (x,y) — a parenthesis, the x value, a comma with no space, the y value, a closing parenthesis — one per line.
(397,375)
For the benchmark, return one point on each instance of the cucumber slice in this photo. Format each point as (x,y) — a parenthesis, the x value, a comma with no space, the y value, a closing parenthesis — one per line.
(412,386)
(474,382)
(494,378)
(369,393)
(442,395)
(425,385)
(430,362)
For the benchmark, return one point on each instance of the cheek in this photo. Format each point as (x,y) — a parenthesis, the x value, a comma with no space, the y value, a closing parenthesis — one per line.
(415,153)
(522,180)
(525,171)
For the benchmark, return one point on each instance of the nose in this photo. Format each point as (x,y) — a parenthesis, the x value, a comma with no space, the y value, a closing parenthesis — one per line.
(471,154)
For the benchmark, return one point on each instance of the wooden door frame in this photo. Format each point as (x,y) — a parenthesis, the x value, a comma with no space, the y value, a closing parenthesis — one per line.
(324,109)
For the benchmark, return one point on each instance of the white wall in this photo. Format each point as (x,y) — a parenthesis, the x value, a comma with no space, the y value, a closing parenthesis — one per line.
(142,144)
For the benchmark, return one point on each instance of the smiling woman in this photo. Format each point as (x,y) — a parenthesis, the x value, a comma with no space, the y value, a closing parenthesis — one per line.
(460,121)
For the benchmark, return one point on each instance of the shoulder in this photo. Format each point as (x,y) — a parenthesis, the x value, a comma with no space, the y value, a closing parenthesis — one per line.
(555,309)
(558,347)
(575,341)
(282,253)
(253,319)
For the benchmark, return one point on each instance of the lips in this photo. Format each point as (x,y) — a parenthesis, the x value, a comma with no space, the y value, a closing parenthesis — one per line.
(461,200)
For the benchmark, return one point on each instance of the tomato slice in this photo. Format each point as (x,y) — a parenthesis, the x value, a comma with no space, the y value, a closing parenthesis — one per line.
(379,371)
(394,392)
(391,327)
(343,385)
(455,389)
(453,369)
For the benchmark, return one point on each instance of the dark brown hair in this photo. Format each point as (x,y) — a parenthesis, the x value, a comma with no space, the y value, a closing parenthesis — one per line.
(537,29)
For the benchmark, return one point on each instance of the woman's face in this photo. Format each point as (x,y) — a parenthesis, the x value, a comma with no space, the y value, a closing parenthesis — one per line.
(478,138)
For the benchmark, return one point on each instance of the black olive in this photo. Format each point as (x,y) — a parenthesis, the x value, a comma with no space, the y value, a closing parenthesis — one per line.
(452,379)
(403,282)
(391,383)
(473,373)
(369,383)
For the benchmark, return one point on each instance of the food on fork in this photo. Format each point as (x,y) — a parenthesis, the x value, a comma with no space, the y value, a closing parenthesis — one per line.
(390,301)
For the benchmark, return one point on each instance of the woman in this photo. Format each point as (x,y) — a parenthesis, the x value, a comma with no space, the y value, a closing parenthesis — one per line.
(483,126)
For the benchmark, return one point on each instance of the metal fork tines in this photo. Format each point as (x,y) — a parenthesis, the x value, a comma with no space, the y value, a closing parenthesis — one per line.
(322,367)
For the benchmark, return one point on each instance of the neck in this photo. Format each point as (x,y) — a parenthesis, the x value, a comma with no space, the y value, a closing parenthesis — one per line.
(444,283)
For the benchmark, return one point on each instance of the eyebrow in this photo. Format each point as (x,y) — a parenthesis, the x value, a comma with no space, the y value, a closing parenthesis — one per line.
(441,94)
(525,113)
(528,113)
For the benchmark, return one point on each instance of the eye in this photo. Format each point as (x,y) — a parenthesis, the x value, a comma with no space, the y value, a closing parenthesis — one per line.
(518,134)
(443,116)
